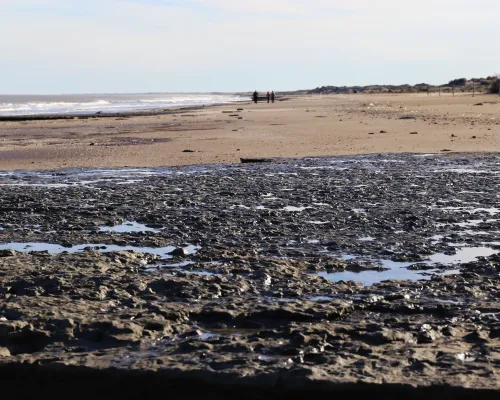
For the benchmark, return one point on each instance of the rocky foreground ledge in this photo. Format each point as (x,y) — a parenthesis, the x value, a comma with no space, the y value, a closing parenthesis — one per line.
(366,276)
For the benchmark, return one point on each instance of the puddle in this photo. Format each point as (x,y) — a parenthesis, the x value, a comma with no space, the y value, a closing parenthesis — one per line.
(472,210)
(176,265)
(464,171)
(46,185)
(129,182)
(317,222)
(269,196)
(450,208)
(472,222)
(367,239)
(322,298)
(463,255)
(191,249)
(120,172)
(437,238)
(469,223)
(490,210)
(400,271)
(128,227)
(103,248)
(295,209)
(239,206)
(478,233)
(199,273)
(228,332)
(216,262)
(71,178)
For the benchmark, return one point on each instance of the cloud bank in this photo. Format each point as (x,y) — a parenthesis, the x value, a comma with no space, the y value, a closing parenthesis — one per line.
(54,46)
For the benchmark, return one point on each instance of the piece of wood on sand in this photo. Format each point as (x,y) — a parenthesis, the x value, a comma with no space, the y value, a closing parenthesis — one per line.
(255,160)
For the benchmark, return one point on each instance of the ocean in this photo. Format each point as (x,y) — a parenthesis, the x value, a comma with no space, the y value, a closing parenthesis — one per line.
(105,103)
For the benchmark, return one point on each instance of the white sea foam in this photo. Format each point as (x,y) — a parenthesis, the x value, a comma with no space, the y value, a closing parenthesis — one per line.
(90,104)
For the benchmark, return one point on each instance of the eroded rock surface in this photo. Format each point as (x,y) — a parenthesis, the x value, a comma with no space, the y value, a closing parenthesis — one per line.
(246,290)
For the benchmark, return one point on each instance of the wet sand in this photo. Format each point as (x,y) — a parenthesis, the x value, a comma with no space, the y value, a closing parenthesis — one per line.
(303,126)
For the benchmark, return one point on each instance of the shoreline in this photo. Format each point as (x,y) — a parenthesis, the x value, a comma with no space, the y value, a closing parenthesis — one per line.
(293,127)
(99,114)
(258,162)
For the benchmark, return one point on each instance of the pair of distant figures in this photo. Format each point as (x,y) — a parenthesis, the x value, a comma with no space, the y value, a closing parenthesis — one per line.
(269,97)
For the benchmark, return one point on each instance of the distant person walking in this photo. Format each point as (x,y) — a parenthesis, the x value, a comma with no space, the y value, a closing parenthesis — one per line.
(268,97)
(272,96)
(255,97)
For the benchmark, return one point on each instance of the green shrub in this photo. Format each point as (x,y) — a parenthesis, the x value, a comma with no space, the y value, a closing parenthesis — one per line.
(458,82)
(495,86)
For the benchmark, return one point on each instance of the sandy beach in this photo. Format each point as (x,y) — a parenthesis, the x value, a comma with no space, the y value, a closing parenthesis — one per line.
(301,126)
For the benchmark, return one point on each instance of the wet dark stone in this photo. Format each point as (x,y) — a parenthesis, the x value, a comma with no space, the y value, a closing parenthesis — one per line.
(180,252)
(253,303)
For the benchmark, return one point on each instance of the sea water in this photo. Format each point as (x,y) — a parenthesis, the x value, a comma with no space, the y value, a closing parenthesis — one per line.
(82,104)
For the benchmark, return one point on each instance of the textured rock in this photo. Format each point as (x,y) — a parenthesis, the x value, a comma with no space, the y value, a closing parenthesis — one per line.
(259,305)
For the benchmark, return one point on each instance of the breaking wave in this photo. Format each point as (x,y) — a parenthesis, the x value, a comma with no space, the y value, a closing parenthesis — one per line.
(75,104)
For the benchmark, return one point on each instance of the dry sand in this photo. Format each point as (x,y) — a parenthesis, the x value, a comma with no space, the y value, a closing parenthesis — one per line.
(300,127)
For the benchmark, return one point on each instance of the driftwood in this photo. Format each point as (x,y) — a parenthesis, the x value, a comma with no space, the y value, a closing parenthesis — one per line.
(255,160)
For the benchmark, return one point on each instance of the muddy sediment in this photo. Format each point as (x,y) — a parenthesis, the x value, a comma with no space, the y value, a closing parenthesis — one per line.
(367,274)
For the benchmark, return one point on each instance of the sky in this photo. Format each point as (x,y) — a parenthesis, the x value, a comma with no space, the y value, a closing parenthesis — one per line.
(132,46)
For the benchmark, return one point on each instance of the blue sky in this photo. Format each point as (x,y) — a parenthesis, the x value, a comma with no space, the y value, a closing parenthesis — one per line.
(112,46)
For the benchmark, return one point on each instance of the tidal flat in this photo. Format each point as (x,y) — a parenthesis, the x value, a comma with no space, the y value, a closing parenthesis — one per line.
(356,274)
